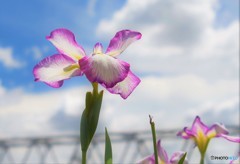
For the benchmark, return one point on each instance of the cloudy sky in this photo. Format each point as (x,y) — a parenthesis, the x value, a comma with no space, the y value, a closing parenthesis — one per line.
(187,60)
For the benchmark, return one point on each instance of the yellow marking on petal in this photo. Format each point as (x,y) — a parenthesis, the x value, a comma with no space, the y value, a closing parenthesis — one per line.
(201,139)
(71,67)
(67,71)
(77,56)
(114,53)
(161,161)
(212,134)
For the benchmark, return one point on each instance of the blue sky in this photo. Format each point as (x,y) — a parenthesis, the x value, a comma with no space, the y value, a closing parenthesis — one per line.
(28,23)
(187,60)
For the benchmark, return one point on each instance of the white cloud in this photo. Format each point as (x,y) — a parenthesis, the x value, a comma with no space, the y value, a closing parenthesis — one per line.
(171,100)
(193,63)
(37,52)
(7,58)
(178,38)
(23,114)
(165,21)
(221,111)
(163,97)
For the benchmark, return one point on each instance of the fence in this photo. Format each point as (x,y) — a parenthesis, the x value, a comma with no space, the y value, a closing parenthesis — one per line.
(128,147)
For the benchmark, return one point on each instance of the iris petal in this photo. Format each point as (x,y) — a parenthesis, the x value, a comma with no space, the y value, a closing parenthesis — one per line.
(54,69)
(64,41)
(230,138)
(121,41)
(162,154)
(199,126)
(216,130)
(186,133)
(125,87)
(147,160)
(104,69)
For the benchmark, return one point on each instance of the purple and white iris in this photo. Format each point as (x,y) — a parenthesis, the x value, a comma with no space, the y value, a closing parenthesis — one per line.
(201,133)
(163,157)
(104,68)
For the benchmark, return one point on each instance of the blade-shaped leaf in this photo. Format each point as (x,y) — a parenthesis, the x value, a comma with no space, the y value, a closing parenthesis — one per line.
(108,148)
(181,161)
(90,116)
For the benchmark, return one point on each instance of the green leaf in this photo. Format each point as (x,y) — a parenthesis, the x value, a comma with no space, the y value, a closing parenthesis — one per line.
(154,139)
(90,116)
(108,148)
(181,161)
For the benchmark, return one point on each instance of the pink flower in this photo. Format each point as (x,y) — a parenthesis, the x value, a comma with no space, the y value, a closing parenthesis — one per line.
(112,73)
(202,134)
(163,157)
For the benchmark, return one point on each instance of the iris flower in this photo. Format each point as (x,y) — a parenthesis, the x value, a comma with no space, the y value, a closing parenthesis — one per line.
(163,157)
(104,68)
(202,134)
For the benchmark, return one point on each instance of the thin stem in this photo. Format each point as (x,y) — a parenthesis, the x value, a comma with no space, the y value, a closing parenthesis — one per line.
(154,139)
(204,152)
(95,88)
(202,158)
(84,157)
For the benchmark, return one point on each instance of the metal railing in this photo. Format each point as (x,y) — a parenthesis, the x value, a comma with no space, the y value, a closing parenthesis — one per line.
(128,147)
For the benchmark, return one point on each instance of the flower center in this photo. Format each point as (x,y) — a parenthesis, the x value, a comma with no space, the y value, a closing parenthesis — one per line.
(201,140)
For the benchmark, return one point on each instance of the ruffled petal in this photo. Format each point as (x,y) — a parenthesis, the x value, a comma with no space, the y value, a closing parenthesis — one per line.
(216,130)
(185,133)
(104,69)
(125,87)
(176,157)
(198,129)
(64,41)
(56,68)
(121,41)
(230,138)
(198,126)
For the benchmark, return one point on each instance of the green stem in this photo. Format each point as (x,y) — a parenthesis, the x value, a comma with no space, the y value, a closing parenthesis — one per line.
(95,88)
(204,152)
(154,139)
(202,158)
(84,157)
